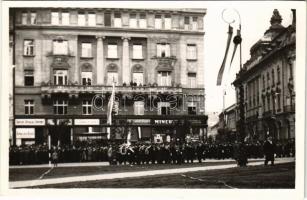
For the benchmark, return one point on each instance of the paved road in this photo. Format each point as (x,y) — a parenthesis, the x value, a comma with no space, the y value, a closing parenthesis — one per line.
(21,184)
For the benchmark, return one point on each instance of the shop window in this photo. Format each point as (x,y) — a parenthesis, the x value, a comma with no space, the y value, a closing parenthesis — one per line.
(143,21)
(191,52)
(112,51)
(29,77)
(107,19)
(138,108)
(137,52)
(164,78)
(29,107)
(28,48)
(191,80)
(86,50)
(81,19)
(132,21)
(86,107)
(60,77)
(54,18)
(167,22)
(163,50)
(65,18)
(24,18)
(33,18)
(60,47)
(60,107)
(158,22)
(117,20)
(91,19)
(86,78)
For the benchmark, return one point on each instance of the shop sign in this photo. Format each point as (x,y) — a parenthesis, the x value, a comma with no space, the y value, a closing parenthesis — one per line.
(87,122)
(164,121)
(30,122)
(25,133)
(59,122)
(139,121)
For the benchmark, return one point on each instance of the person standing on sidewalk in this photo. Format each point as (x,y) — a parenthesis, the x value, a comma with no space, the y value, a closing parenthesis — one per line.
(55,158)
(269,150)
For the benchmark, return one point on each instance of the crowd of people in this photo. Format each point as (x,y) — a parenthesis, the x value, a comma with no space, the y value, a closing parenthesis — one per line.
(143,152)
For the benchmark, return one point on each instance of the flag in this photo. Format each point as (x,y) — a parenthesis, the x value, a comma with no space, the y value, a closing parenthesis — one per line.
(110,108)
(236,40)
(221,71)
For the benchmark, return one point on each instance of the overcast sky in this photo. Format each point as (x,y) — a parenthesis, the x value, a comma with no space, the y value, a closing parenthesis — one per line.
(255,20)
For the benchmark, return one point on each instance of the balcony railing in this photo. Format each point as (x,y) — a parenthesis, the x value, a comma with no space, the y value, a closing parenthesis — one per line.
(77,89)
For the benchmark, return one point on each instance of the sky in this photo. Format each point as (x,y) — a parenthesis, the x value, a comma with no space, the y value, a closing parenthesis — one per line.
(255,20)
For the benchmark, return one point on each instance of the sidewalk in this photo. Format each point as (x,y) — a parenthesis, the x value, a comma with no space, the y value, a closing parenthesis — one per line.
(121,175)
(90,164)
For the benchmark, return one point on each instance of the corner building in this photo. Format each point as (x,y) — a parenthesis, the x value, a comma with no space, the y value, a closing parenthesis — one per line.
(268,83)
(68,58)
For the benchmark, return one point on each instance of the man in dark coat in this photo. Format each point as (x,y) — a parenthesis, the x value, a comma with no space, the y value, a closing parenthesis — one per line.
(269,150)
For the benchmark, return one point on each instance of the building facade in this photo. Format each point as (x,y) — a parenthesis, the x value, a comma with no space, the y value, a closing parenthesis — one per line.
(266,84)
(68,59)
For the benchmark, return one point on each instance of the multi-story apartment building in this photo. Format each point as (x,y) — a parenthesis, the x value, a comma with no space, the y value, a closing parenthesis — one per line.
(268,83)
(68,58)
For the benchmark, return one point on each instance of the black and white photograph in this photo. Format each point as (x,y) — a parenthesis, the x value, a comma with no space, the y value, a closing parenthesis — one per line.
(153,95)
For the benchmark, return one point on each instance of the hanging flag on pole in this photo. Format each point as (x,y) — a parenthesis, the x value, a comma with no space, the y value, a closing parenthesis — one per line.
(236,40)
(221,71)
(110,109)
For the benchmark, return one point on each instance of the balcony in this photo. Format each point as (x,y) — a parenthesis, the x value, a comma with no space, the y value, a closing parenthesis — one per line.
(75,90)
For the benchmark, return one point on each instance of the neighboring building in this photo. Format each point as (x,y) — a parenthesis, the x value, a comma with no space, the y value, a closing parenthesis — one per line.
(65,57)
(268,80)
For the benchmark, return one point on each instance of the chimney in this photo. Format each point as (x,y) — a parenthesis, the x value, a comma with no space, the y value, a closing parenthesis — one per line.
(293,17)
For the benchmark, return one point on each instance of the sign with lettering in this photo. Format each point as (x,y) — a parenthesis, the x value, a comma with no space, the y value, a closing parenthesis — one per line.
(164,121)
(87,122)
(30,122)
(25,133)
(139,121)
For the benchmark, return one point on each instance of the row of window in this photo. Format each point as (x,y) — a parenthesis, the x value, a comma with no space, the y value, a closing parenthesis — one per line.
(267,83)
(61,48)
(60,77)
(60,107)
(136,20)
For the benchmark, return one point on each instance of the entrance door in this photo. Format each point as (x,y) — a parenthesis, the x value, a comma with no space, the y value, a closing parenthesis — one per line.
(60,135)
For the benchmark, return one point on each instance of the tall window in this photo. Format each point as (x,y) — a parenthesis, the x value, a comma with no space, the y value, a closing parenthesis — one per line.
(268,80)
(137,52)
(91,19)
(263,104)
(54,18)
(191,52)
(278,101)
(60,47)
(138,108)
(138,78)
(186,22)
(278,74)
(33,18)
(194,23)
(263,82)
(117,20)
(191,108)
(191,80)
(163,108)
(81,19)
(29,77)
(273,77)
(158,22)
(164,78)
(60,77)
(24,18)
(269,102)
(143,21)
(167,22)
(28,47)
(86,107)
(163,50)
(65,18)
(86,50)
(107,19)
(86,78)
(60,107)
(29,107)
(112,77)
(112,51)
(132,21)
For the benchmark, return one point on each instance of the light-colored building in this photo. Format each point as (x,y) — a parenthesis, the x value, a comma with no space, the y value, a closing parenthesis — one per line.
(65,57)
(268,80)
